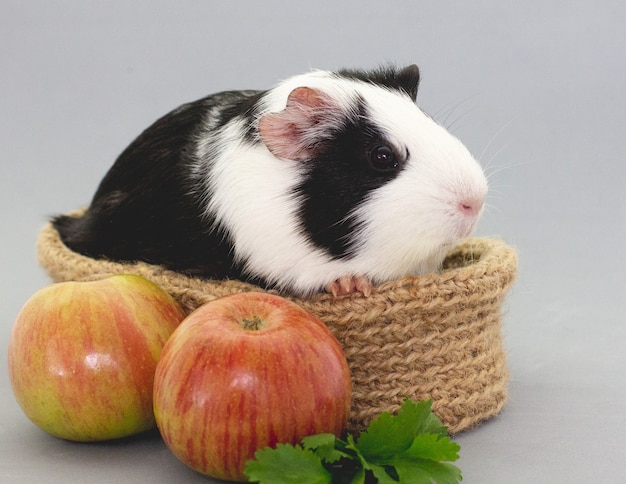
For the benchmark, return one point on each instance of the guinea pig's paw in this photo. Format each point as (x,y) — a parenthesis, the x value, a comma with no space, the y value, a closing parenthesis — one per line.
(350,285)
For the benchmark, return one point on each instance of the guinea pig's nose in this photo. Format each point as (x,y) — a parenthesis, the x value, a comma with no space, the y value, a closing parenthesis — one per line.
(471,206)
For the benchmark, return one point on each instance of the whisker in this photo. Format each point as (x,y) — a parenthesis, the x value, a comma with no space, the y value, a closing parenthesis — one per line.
(449,108)
(495,136)
(495,170)
(490,208)
(445,109)
(450,127)
(488,163)
(495,192)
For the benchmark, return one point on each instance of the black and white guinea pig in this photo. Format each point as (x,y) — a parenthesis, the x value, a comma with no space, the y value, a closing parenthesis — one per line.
(330,180)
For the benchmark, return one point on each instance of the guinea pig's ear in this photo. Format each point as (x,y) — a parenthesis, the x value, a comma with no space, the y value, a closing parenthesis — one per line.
(409,79)
(293,132)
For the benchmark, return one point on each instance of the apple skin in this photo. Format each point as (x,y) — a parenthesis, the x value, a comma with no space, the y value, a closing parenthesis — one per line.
(223,391)
(82,356)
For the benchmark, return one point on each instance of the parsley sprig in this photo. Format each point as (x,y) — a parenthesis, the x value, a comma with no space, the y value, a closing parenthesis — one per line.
(412,447)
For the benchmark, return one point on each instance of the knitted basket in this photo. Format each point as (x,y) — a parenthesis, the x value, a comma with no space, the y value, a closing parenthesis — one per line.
(435,337)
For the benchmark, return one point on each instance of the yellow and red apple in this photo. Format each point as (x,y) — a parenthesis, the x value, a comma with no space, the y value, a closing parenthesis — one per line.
(82,356)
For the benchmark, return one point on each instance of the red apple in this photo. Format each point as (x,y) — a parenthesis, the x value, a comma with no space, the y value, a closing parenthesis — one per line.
(244,372)
(82,356)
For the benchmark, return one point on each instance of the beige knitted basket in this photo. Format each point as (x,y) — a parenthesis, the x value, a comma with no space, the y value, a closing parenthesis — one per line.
(431,337)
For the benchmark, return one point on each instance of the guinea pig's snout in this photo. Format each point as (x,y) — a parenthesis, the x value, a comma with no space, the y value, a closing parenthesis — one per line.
(471,206)
(468,210)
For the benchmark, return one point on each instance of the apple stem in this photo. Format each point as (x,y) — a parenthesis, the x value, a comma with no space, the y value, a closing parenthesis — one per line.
(253,324)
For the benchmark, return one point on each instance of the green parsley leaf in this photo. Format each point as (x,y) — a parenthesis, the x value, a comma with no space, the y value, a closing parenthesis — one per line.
(421,463)
(389,435)
(324,446)
(430,423)
(433,447)
(381,474)
(286,464)
(424,471)
(412,447)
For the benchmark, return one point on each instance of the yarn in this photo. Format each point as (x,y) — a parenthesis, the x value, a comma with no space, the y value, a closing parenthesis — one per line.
(436,336)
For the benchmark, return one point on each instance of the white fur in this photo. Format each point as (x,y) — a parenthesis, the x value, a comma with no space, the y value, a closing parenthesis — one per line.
(408,224)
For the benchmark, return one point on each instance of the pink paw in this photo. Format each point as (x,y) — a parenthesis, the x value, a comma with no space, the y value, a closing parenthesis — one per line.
(350,285)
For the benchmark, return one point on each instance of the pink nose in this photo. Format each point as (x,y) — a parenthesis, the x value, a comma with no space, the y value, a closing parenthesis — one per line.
(471,206)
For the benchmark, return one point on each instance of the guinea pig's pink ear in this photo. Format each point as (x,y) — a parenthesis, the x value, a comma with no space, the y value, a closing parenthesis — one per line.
(293,132)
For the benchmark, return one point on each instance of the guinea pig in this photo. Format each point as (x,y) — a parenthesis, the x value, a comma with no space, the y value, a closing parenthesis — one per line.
(330,181)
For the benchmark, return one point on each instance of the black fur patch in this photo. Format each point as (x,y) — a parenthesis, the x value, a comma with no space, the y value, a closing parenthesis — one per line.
(405,80)
(339,179)
(147,207)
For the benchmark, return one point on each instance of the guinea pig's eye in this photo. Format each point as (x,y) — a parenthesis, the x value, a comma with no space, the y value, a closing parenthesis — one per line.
(383,158)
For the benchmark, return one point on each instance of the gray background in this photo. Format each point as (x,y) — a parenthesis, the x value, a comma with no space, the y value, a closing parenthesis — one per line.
(535,89)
